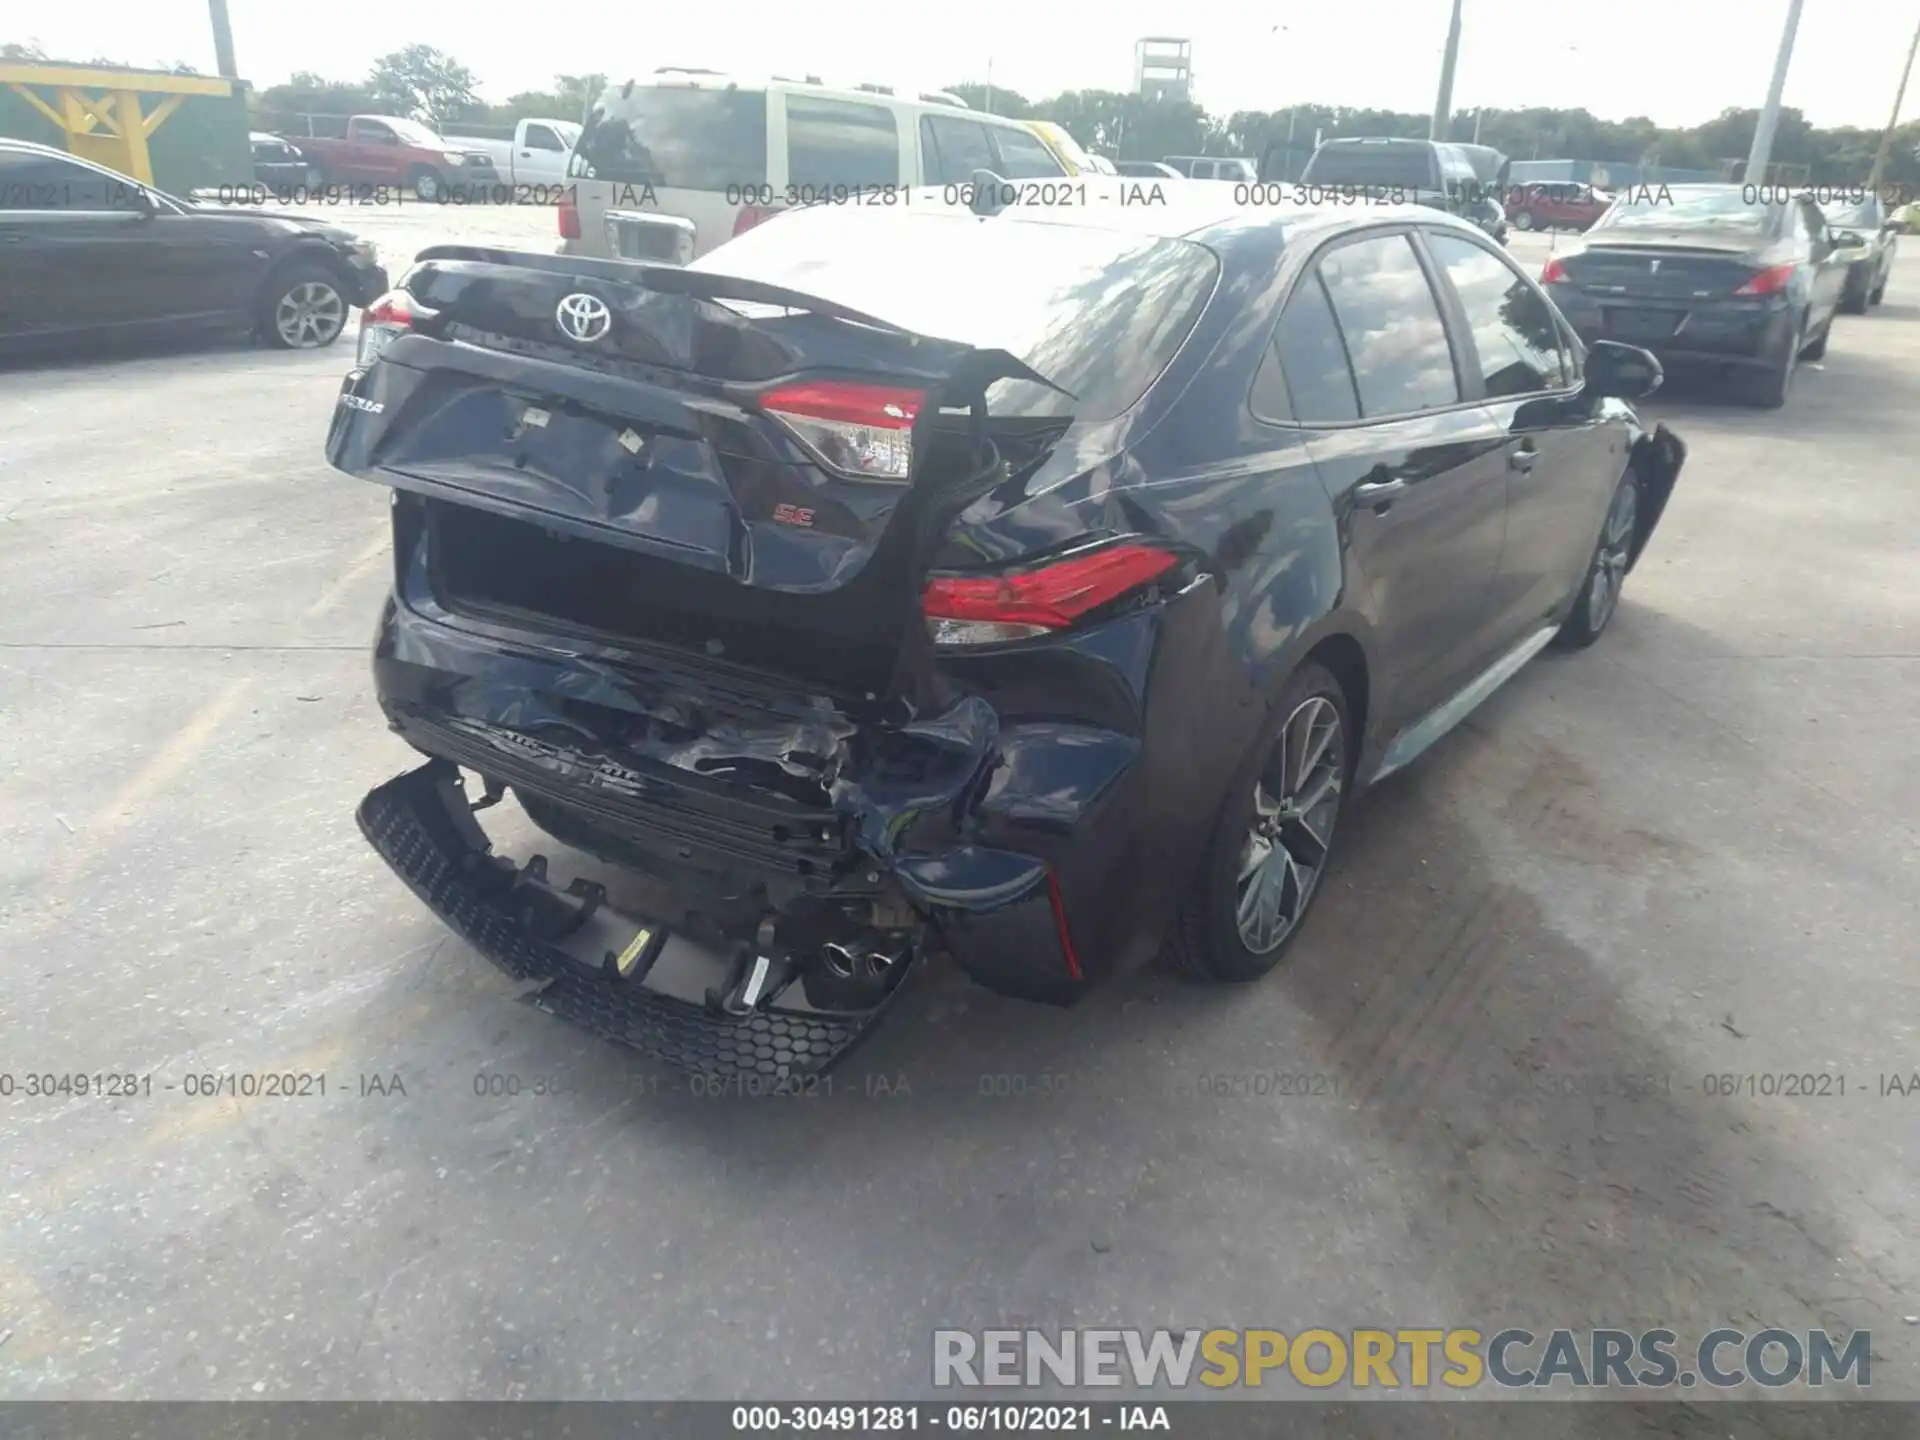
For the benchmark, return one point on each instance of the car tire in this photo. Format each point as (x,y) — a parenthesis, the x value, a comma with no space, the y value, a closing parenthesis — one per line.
(302,307)
(1879,292)
(1855,298)
(1523,221)
(1771,387)
(1250,899)
(1818,349)
(1599,595)
(426,184)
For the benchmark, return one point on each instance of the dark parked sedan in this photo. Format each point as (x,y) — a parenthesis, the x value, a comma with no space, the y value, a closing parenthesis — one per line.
(1706,275)
(88,254)
(1868,242)
(280,166)
(1033,588)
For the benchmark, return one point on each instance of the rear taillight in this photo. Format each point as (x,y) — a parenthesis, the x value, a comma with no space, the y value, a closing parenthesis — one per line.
(993,609)
(1770,281)
(567,212)
(752,215)
(863,431)
(1554,273)
(386,320)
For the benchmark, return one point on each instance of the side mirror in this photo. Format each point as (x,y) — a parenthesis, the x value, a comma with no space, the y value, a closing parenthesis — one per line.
(143,202)
(1621,372)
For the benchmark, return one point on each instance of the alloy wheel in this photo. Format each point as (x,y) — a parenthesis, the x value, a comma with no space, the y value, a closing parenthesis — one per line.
(1295,807)
(1610,564)
(311,314)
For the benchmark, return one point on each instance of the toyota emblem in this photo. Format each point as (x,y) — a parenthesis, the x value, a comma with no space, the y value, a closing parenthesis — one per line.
(584,318)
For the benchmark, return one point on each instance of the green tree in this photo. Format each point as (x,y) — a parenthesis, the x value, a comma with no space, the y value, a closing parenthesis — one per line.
(422,83)
(995,100)
(14,50)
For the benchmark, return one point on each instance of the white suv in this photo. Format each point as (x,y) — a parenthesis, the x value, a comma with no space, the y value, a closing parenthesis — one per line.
(673,165)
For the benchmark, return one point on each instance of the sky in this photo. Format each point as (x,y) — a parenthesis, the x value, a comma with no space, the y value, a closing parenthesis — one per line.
(1678,61)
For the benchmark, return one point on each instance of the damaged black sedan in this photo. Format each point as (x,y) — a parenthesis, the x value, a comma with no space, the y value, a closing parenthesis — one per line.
(1032,589)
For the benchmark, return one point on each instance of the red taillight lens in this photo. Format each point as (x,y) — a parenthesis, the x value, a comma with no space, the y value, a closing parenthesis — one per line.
(567,212)
(865,431)
(752,215)
(1554,273)
(386,320)
(1770,281)
(989,609)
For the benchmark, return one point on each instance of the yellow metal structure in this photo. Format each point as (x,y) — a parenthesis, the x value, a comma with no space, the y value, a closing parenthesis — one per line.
(102,112)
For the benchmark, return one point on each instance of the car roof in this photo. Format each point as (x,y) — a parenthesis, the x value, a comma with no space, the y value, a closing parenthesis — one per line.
(1185,210)
(672,77)
(7,142)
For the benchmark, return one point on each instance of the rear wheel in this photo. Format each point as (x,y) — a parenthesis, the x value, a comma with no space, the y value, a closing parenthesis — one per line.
(1771,387)
(1818,349)
(1856,297)
(1272,839)
(1606,573)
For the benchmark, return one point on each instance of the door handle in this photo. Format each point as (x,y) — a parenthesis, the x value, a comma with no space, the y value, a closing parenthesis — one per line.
(1523,459)
(1379,493)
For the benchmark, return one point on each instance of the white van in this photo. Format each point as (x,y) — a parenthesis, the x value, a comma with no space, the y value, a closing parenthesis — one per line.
(671,165)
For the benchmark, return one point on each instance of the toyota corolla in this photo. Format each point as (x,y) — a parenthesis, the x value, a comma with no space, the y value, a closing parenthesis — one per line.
(1027,589)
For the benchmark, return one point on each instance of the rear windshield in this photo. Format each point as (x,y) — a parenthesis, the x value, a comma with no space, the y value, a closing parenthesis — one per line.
(1719,209)
(1100,314)
(675,137)
(1404,166)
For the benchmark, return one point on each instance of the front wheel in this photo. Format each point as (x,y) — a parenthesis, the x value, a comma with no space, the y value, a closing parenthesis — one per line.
(302,308)
(426,185)
(1272,839)
(1600,592)
(1523,220)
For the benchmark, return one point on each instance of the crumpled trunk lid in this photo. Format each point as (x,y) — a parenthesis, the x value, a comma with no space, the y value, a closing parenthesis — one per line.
(632,487)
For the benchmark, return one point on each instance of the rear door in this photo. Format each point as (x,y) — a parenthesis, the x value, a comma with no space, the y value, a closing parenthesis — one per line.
(952,148)
(839,148)
(1562,460)
(1417,472)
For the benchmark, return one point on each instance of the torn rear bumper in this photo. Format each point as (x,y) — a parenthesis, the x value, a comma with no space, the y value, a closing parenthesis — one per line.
(687,1008)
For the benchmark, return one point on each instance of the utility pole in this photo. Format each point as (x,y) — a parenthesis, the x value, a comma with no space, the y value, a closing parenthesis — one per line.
(222,39)
(989,84)
(1893,120)
(1476,123)
(1762,152)
(1443,104)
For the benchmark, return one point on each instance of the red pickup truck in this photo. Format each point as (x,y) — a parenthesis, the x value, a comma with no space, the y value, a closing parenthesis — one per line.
(386,150)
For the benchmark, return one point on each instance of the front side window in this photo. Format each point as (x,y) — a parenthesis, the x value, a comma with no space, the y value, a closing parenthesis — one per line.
(1022,156)
(539,137)
(1513,328)
(1402,362)
(841,142)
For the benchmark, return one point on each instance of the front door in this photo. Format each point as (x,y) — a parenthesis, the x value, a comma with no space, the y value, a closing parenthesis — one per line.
(1561,461)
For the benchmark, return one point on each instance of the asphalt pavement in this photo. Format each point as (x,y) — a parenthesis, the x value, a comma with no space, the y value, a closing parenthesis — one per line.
(1689,853)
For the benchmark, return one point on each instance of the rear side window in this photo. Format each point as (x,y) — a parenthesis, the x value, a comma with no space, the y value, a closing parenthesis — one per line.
(675,137)
(1513,330)
(1314,358)
(840,142)
(1022,156)
(954,149)
(1100,313)
(1391,323)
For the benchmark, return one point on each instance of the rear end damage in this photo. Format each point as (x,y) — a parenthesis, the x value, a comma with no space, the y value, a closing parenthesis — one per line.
(672,593)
